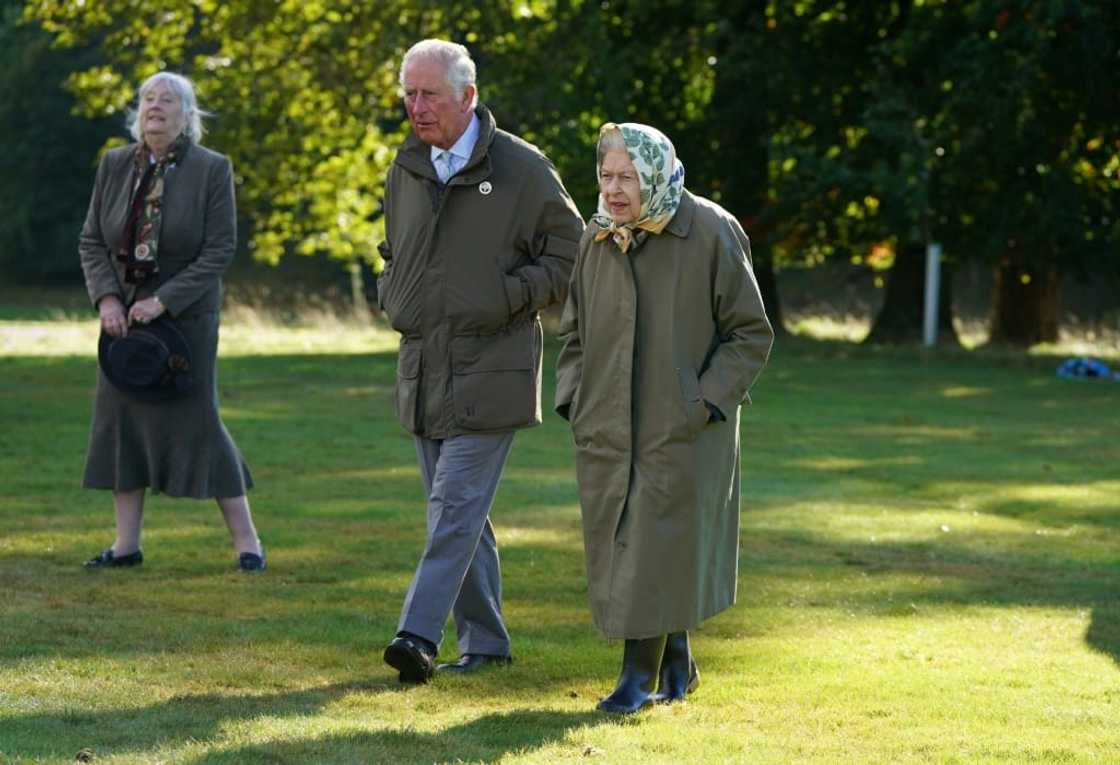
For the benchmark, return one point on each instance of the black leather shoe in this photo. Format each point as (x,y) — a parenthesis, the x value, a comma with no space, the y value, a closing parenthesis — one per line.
(472,662)
(641,661)
(679,674)
(251,563)
(409,657)
(108,560)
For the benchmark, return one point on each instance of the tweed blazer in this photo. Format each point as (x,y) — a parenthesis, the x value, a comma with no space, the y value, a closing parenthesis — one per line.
(197,240)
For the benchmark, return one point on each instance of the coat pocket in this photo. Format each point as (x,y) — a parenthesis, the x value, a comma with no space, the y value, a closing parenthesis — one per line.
(695,411)
(409,365)
(382,287)
(496,379)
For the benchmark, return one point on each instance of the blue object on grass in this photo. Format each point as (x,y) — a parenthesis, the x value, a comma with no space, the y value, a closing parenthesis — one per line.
(1082,367)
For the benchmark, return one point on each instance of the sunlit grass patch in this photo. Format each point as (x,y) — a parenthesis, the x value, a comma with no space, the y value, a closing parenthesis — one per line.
(965,391)
(1074,338)
(66,337)
(848,329)
(248,329)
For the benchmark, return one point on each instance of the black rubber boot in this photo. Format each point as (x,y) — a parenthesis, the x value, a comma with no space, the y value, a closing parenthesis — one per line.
(679,675)
(640,662)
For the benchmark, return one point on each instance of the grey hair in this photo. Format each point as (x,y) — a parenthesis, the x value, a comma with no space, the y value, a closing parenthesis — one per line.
(609,140)
(181,87)
(454,58)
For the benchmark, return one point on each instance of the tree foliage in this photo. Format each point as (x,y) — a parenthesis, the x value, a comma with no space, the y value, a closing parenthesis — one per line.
(46,186)
(832,129)
(302,93)
(990,126)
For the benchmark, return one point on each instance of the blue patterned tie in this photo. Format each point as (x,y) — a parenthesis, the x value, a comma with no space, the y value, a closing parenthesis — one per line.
(444,166)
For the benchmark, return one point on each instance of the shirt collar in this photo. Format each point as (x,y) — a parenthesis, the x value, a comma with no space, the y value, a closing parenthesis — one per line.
(465,145)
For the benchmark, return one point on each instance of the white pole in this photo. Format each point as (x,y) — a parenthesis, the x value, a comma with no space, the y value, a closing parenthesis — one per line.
(933,287)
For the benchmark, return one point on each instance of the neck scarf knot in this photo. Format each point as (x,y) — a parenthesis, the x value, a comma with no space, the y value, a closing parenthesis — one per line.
(661,178)
(145,218)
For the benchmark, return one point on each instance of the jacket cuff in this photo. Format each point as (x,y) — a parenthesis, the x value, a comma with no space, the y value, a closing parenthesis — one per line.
(169,304)
(726,407)
(516,293)
(715,412)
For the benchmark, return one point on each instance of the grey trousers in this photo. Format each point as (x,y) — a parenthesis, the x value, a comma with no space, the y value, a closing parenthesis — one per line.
(459,572)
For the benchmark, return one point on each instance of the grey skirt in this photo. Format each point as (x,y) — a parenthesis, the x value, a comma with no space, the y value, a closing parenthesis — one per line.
(180,447)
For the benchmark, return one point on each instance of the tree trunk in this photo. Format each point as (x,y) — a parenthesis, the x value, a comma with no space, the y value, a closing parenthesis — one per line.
(768,286)
(358,303)
(901,318)
(1025,303)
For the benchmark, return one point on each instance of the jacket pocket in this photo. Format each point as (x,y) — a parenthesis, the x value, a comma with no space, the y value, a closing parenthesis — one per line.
(495,379)
(573,406)
(695,411)
(409,365)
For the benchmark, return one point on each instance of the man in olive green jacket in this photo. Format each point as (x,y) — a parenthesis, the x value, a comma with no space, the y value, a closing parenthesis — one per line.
(480,235)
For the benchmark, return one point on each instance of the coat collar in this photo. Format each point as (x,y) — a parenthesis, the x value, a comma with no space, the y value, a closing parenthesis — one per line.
(682,222)
(415,156)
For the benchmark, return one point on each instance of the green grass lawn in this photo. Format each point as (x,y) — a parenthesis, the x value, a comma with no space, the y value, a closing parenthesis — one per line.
(929,572)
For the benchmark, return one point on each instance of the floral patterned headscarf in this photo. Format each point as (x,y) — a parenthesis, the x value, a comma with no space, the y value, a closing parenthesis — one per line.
(660,177)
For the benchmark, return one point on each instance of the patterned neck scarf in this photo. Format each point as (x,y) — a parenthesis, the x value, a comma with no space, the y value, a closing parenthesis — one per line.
(145,218)
(661,178)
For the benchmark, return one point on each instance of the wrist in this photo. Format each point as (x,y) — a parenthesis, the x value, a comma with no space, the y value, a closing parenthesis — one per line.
(108,302)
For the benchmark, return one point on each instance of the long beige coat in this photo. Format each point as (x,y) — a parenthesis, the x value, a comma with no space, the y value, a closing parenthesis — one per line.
(649,337)
(467,267)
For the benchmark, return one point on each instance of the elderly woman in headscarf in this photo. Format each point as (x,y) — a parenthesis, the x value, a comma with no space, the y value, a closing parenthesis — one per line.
(160,231)
(664,334)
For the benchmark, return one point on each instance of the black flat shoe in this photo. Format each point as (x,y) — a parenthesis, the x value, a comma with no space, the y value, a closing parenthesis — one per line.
(108,560)
(406,655)
(472,662)
(251,563)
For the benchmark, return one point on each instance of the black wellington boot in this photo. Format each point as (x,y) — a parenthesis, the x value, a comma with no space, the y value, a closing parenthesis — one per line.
(679,675)
(640,662)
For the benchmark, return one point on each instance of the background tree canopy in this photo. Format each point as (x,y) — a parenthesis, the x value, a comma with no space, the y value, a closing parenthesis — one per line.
(834,130)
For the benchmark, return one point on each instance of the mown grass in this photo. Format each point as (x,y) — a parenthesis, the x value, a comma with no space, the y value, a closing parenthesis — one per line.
(930,561)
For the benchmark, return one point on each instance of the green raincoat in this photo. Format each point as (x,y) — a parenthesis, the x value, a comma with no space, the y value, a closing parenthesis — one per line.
(650,336)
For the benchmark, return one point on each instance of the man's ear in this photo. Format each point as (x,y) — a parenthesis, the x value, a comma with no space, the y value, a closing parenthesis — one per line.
(468,97)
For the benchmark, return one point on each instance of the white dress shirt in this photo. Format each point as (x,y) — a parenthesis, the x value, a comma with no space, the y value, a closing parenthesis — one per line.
(447,162)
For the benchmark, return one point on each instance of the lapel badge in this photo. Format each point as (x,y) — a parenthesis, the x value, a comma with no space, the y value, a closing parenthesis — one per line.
(485,188)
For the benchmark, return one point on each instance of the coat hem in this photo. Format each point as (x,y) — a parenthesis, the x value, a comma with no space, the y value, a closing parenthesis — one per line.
(174,494)
(642,634)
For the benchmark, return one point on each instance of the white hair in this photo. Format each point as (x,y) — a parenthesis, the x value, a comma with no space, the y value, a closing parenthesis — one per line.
(184,90)
(455,60)
(610,140)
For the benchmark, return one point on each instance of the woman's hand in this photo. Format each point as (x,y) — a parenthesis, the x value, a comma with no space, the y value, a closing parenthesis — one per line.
(145,310)
(112,316)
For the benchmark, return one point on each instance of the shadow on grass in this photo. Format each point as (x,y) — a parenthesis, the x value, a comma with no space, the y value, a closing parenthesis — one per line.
(487,739)
(184,720)
(174,722)
(969,574)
